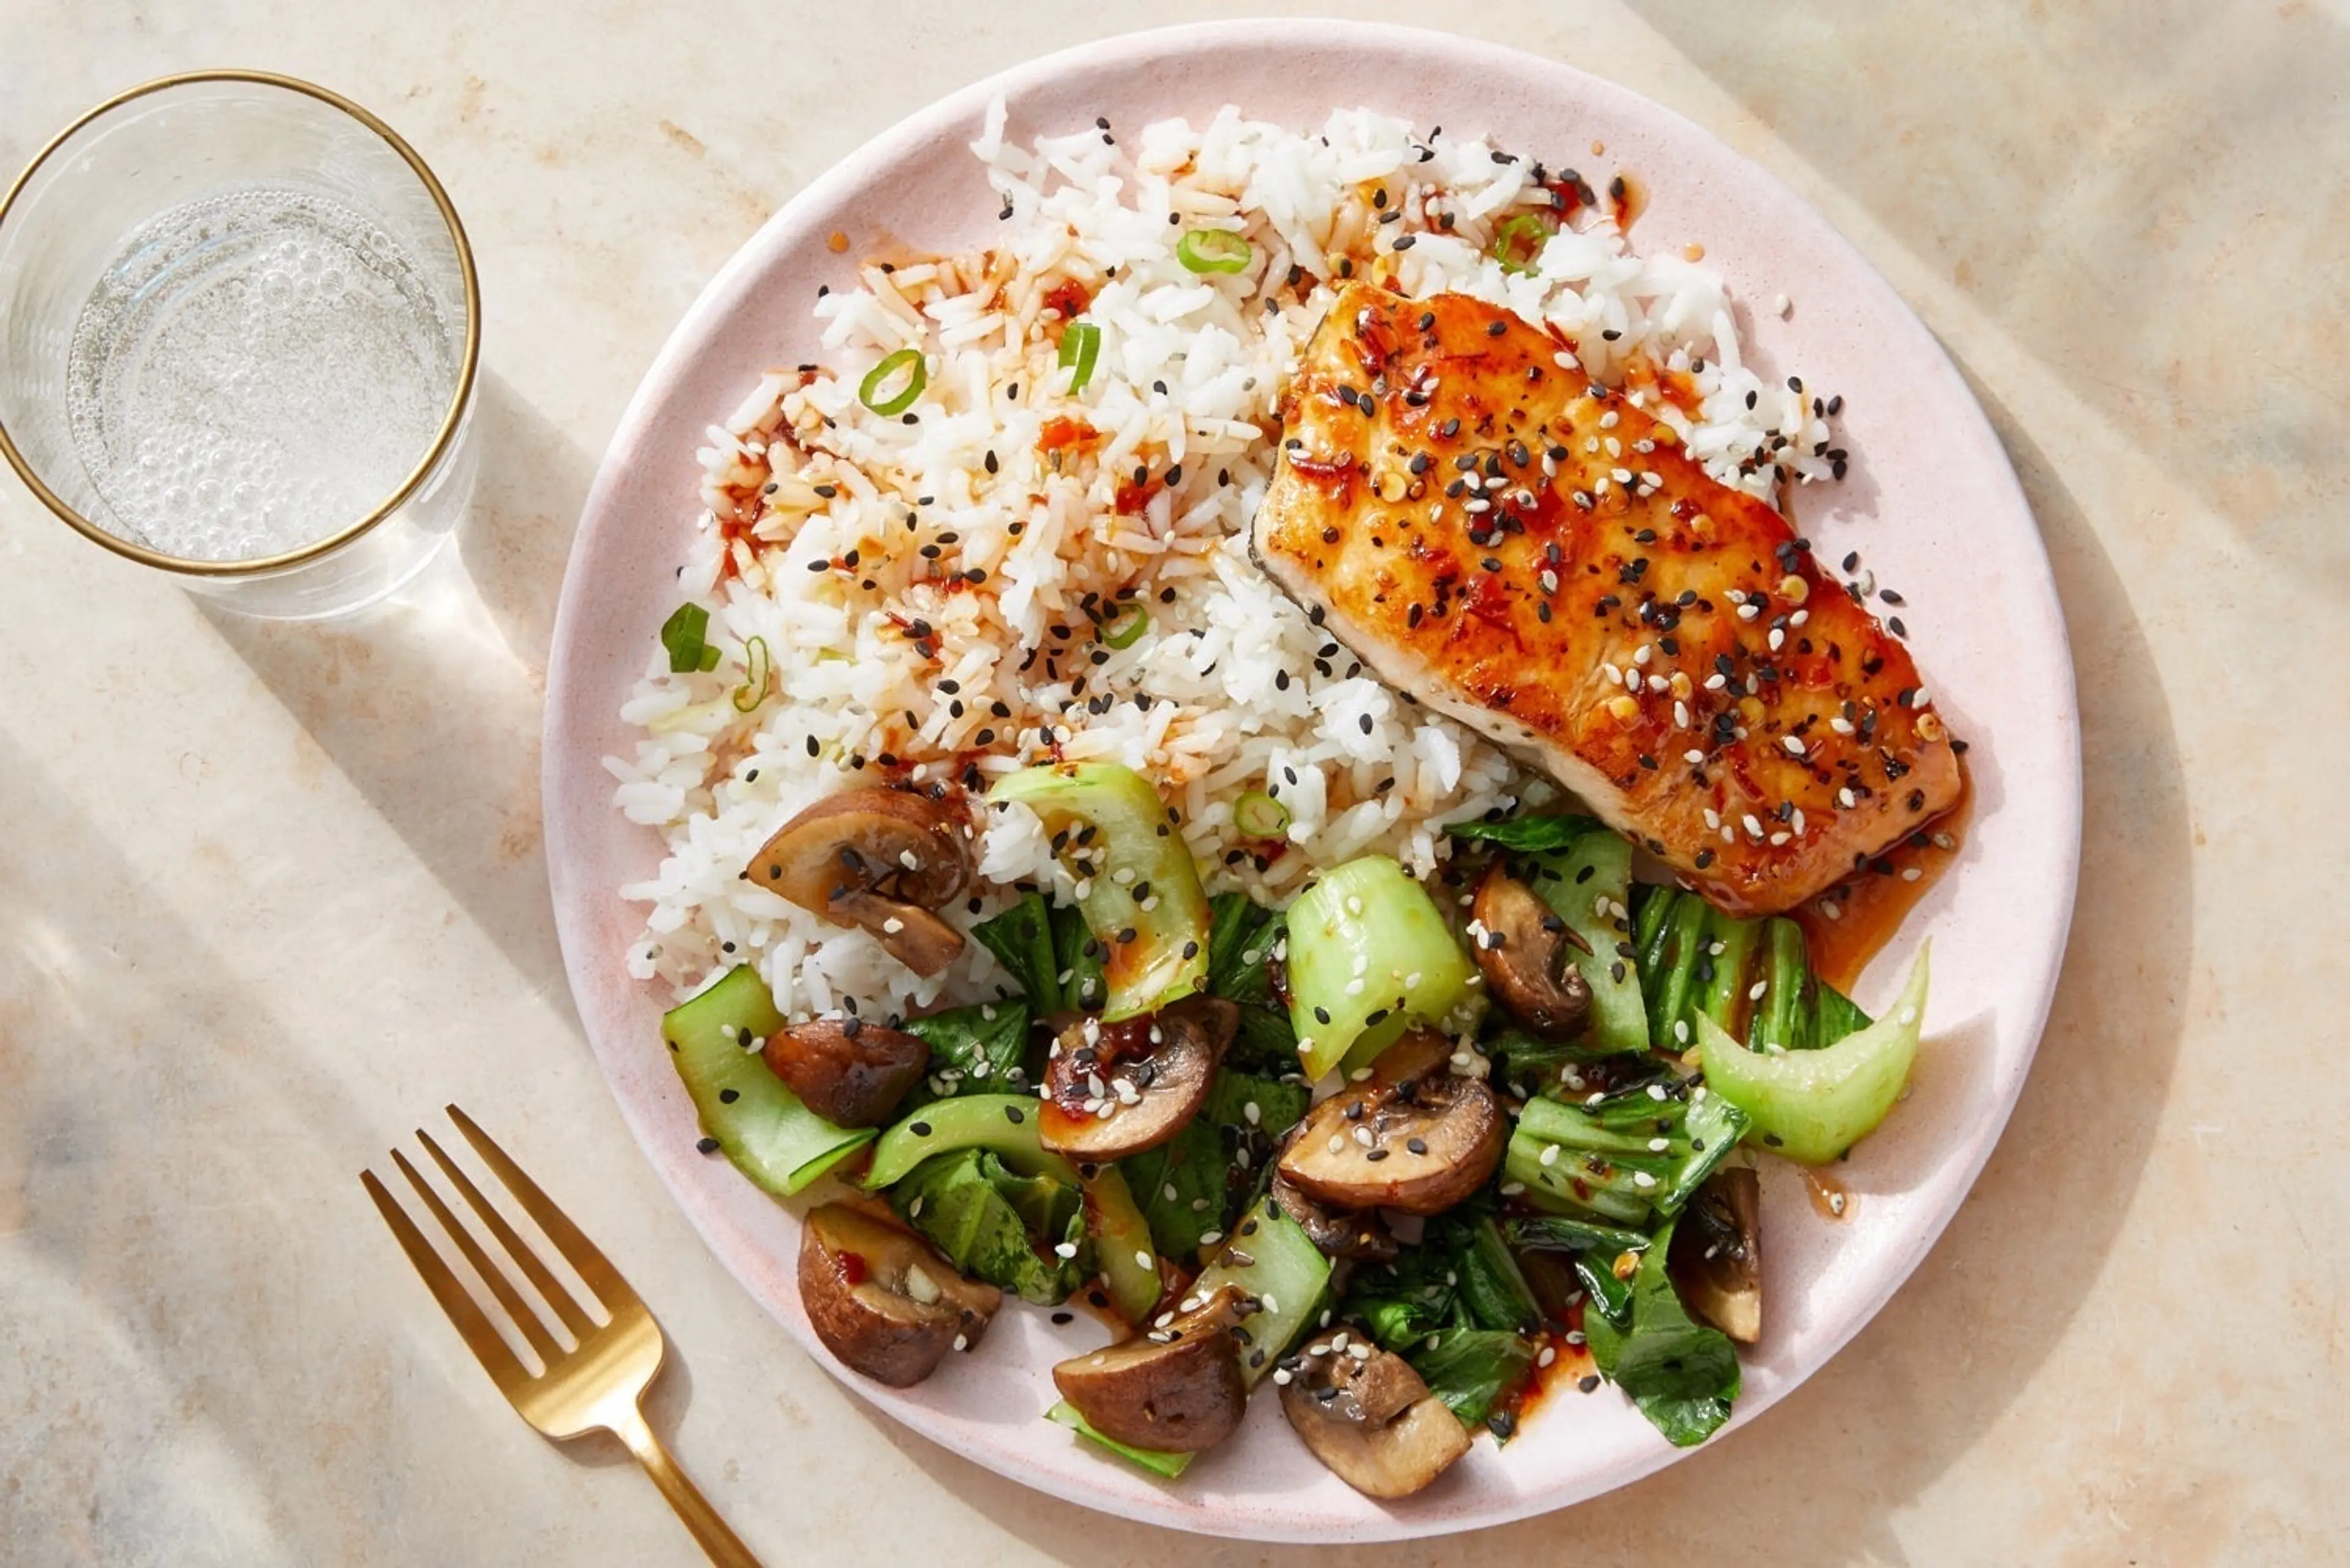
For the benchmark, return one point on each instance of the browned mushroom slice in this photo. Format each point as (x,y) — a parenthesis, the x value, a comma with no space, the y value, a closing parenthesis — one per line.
(1337,1232)
(882,1300)
(1116,1089)
(1716,1262)
(850,1073)
(1416,1136)
(883,859)
(1527,953)
(1367,1414)
(1176,1387)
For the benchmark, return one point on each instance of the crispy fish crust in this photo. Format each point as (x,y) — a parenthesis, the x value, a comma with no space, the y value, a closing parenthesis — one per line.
(1524,550)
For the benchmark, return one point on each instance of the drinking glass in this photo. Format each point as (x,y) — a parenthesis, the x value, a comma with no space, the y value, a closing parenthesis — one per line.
(239,328)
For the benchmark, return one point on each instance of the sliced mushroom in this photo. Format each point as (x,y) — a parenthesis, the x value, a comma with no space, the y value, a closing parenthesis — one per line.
(850,1073)
(1416,1136)
(1367,1414)
(1119,1088)
(1716,1261)
(1337,1232)
(1177,1387)
(882,1300)
(1528,955)
(881,858)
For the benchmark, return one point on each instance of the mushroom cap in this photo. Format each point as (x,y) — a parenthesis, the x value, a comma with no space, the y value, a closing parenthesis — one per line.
(1176,1387)
(882,1299)
(882,859)
(1527,954)
(1716,1261)
(850,1073)
(1415,1137)
(1369,1417)
(1336,1232)
(1170,1077)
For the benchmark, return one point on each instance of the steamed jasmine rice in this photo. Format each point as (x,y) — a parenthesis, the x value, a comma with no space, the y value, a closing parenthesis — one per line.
(1033,557)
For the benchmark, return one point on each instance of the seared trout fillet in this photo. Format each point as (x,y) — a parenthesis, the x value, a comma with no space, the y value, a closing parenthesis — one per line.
(1524,550)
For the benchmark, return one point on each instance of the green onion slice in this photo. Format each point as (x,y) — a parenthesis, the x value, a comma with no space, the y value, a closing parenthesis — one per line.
(1080,347)
(1259,815)
(682,634)
(753,690)
(1518,242)
(909,360)
(1124,629)
(1214,250)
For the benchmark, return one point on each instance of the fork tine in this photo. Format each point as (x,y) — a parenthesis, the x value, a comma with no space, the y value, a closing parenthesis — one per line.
(496,1357)
(577,1250)
(554,1293)
(533,1329)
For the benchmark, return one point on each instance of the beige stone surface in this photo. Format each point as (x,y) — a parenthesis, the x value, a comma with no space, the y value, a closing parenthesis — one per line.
(269,897)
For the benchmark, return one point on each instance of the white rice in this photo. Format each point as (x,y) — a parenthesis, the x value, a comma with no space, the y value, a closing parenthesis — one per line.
(1229,688)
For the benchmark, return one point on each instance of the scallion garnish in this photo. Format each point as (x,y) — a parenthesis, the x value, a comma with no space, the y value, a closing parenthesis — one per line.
(1214,250)
(684,634)
(1124,629)
(909,360)
(1080,345)
(1518,242)
(753,690)
(1259,815)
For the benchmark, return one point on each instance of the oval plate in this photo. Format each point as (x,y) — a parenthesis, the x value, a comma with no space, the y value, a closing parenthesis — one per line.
(1930,497)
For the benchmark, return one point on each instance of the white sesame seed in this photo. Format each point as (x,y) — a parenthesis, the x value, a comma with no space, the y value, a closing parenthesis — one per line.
(1143,1260)
(1794,743)
(962,1342)
(1067,1249)
(1911,873)
(1280,1377)
(1754,993)
(1208,1239)
(1692,755)
(1642,1180)
(1657,1092)
(1550,1154)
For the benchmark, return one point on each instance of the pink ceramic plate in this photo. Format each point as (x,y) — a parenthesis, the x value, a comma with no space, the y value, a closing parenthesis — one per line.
(1931,496)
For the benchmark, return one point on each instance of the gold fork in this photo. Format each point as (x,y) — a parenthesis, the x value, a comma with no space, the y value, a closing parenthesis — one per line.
(598,1382)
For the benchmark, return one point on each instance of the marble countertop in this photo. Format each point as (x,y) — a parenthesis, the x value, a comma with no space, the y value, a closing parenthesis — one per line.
(270,895)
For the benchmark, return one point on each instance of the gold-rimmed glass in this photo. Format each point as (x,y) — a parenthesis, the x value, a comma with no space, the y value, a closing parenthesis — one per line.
(100,218)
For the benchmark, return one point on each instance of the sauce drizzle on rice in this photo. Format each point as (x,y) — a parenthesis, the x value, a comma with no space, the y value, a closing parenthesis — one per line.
(933,586)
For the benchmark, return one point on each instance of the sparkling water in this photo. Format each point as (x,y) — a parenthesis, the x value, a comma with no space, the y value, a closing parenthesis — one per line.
(254,371)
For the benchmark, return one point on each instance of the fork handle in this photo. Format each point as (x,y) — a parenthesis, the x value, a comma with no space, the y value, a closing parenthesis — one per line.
(724,1547)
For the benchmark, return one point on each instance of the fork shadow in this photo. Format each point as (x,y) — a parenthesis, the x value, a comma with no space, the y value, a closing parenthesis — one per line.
(1889,1412)
(430,702)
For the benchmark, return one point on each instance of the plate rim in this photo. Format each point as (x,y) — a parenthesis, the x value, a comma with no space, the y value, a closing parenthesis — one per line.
(584,969)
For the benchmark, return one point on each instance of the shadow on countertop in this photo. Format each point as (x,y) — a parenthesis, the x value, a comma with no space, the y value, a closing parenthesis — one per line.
(456,773)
